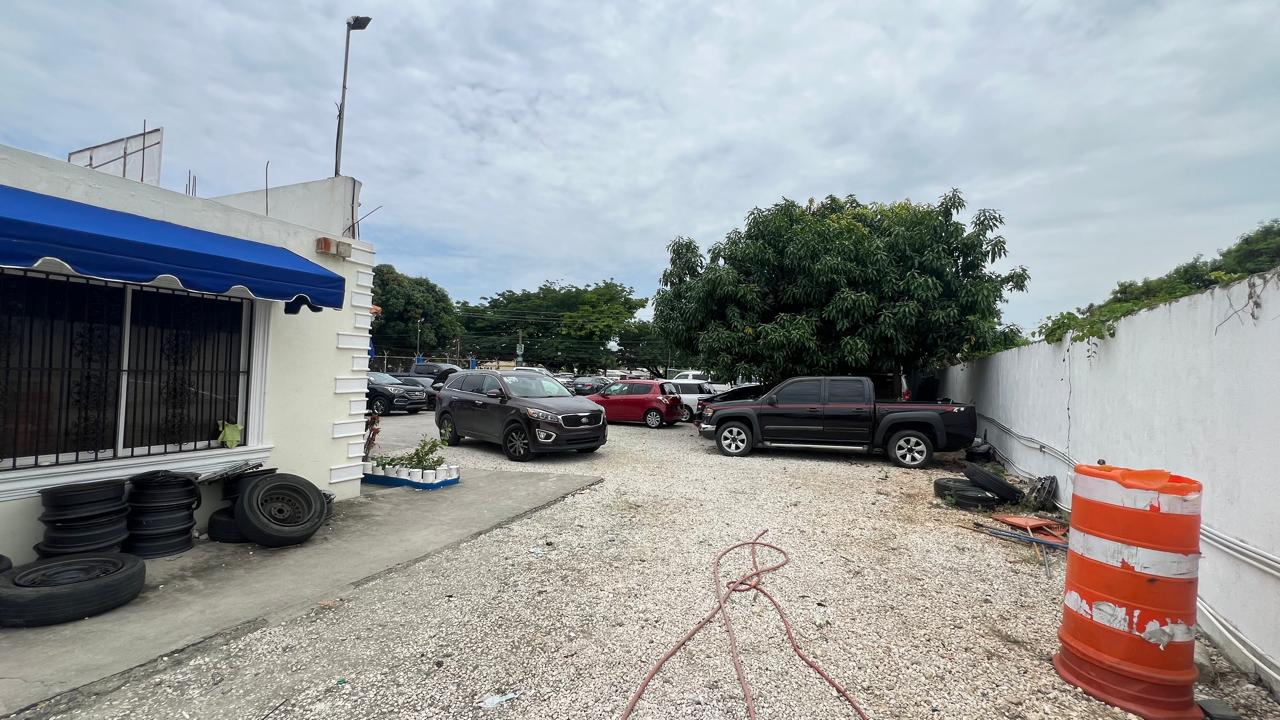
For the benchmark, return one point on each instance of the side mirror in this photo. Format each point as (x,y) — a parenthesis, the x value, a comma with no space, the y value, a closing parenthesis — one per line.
(495,394)
(771,400)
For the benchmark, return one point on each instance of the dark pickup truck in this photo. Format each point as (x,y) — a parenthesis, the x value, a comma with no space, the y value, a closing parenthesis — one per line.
(838,412)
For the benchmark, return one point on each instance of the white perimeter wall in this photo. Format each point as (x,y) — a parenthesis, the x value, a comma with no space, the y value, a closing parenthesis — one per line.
(1191,387)
(315,363)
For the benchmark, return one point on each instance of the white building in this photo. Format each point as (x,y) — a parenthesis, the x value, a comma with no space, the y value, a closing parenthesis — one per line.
(133,319)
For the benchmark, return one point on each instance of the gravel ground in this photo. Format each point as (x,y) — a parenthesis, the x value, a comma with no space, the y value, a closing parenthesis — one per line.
(569,607)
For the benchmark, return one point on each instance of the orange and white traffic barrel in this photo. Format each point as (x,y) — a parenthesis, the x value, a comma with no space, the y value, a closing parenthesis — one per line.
(1129,612)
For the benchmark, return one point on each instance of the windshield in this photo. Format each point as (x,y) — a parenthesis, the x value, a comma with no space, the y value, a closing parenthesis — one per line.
(383,379)
(534,386)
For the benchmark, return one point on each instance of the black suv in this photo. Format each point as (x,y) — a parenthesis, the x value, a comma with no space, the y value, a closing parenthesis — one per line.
(525,412)
(386,393)
(838,412)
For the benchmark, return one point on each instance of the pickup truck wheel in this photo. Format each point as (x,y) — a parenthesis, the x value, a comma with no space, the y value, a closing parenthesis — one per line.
(734,439)
(378,406)
(910,449)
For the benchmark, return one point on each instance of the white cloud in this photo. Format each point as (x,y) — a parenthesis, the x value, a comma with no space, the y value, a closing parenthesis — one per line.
(515,142)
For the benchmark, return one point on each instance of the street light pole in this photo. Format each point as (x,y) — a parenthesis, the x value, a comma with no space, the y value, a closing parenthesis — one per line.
(417,344)
(355,22)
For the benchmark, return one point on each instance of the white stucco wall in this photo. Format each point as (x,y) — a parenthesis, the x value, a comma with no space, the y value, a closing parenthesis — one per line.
(1192,387)
(330,204)
(314,379)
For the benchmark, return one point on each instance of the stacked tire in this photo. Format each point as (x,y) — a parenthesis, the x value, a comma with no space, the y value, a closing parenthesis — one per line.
(83,518)
(162,507)
(979,489)
(271,509)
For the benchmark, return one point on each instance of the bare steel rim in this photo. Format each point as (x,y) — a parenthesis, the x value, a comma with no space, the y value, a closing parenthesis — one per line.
(653,418)
(733,438)
(517,442)
(68,572)
(286,505)
(910,450)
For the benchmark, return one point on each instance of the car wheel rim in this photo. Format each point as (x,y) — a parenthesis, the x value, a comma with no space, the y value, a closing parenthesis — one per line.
(517,443)
(685,414)
(446,428)
(733,439)
(910,451)
(285,505)
(68,572)
(379,408)
(653,419)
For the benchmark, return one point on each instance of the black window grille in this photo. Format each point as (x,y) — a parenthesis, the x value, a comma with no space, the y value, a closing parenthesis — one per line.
(63,346)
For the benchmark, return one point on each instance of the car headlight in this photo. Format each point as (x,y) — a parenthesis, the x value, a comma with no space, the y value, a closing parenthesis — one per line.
(543,415)
(395,390)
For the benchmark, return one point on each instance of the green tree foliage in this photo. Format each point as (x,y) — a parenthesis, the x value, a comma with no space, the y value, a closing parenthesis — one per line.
(404,300)
(564,326)
(1254,252)
(643,345)
(838,286)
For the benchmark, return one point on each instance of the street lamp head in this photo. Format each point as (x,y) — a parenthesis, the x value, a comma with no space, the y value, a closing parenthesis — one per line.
(358,22)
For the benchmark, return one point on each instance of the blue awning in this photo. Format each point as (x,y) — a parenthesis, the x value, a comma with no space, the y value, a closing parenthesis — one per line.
(113,245)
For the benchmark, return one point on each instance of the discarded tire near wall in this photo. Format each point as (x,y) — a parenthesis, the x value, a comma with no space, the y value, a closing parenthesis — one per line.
(992,483)
(279,510)
(1129,615)
(223,528)
(964,495)
(85,517)
(67,588)
(162,508)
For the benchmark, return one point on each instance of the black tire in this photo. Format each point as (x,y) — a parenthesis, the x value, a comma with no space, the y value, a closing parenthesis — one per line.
(74,587)
(974,499)
(279,510)
(107,546)
(231,486)
(223,528)
(89,534)
(165,498)
(948,486)
(686,415)
(653,419)
(378,406)
(5,563)
(156,546)
(588,451)
(88,511)
(910,449)
(448,431)
(169,520)
(734,439)
(992,483)
(70,496)
(516,444)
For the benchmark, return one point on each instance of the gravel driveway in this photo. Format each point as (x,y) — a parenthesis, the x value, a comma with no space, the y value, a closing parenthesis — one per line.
(569,607)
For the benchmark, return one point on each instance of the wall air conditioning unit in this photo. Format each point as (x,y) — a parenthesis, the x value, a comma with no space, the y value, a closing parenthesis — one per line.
(329,246)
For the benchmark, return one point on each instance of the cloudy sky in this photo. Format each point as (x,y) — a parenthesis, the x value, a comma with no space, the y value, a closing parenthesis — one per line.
(512,142)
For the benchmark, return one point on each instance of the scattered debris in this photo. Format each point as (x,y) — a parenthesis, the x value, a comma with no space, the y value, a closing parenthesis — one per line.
(1043,492)
(494,701)
(1215,709)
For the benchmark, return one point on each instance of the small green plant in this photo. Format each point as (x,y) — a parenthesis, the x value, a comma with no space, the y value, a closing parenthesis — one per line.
(426,456)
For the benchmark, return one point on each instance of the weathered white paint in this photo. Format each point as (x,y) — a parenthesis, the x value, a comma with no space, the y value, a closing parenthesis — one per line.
(1189,386)
(1113,493)
(1131,557)
(1120,618)
(297,362)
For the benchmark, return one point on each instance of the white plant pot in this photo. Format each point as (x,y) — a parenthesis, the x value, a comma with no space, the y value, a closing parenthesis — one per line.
(378,470)
(402,472)
(428,476)
(415,474)
(367,468)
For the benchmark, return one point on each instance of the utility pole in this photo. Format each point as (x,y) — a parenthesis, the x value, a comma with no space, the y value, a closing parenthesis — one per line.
(519,346)
(417,344)
(355,22)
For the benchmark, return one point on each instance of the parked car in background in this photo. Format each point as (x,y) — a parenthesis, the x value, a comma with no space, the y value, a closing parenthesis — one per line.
(431,369)
(701,376)
(653,402)
(590,384)
(421,381)
(839,412)
(566,379)
(385,394)
(525,412)
(690,393)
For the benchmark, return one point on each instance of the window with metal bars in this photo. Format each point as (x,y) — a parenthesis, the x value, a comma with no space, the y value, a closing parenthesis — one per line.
(91,370)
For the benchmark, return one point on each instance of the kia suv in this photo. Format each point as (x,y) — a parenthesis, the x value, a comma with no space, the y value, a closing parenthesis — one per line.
(525,412)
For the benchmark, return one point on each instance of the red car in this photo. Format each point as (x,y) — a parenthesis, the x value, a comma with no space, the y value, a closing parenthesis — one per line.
(653,402)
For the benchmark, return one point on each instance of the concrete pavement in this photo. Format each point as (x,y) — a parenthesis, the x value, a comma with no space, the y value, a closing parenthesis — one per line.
(216,588)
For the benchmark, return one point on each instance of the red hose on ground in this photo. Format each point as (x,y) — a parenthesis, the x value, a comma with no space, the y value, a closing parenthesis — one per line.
(748,582)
